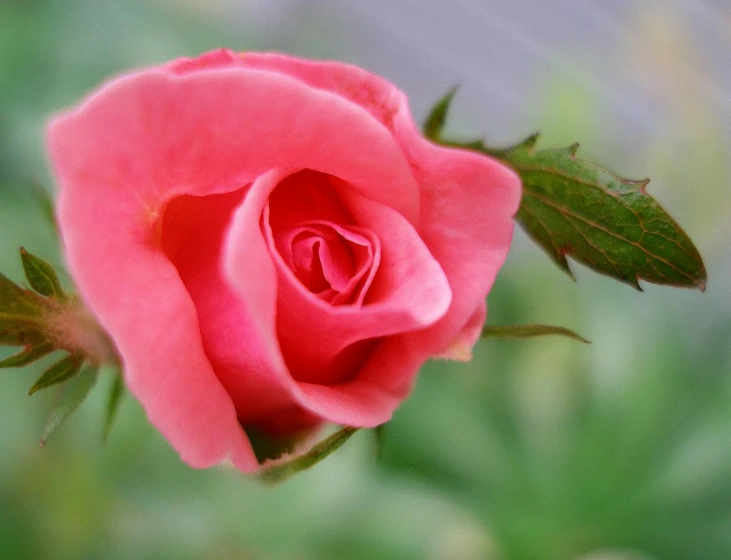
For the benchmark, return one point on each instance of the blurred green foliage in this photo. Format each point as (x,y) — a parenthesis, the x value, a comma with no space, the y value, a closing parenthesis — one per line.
(542,449)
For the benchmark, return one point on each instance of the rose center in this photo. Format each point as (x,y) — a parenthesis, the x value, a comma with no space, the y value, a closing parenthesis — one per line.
(331,261)
(314,234)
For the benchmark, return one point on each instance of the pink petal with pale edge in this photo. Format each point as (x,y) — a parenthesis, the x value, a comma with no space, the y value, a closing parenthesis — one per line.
(145,138)
(211,126)
(468,200)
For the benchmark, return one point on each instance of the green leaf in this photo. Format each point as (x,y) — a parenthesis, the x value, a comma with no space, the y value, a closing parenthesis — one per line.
(59,372)
(116,393)
(73,394)
(529,331)
(576,208)
(281,471)
(438,116)
(28,355)
(41,275)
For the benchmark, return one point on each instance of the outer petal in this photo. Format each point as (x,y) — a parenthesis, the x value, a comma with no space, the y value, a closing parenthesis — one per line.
(192,237)
(468,204)
(160,134)
(138,296)
(377,96)
(461,346)
(150,136)
(467,199)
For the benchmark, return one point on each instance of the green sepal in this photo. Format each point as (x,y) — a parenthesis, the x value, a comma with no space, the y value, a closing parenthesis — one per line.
(41,276)
(577,208)
(61,371)
(72,395)
(45,203)
(21,315)
(281,471)
(437,118)
(529,331)
(20,331)
(380,433)
(19,301)
(116,392)
(30,354)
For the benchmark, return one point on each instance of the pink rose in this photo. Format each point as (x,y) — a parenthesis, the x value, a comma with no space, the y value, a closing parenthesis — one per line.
(271,243)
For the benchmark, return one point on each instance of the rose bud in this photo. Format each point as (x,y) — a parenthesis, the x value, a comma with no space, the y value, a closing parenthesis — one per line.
(272,244)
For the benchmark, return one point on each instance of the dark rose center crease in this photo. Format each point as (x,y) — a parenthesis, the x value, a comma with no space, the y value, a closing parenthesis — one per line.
(313,233)
(335,263)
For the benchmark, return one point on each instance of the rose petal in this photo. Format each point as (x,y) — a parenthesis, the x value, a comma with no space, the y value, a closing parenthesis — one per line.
(139,297)
(307,198)
(468,199)
(192,237)
(468,204)
(346,259)
(461,346)
(377,96)
(161,134)
(409,292)
(146,138)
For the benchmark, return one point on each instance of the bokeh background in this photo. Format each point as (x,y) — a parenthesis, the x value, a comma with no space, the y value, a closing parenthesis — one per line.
(542,449)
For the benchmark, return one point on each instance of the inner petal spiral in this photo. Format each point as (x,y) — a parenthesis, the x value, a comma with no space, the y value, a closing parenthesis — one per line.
(314,234)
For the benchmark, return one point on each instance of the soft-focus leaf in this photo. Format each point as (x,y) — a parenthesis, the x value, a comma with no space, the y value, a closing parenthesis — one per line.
(281,471)
(529,331)
(59,372)
(72,395)
(116,392)
(41,275)
(574,207)
(28,355)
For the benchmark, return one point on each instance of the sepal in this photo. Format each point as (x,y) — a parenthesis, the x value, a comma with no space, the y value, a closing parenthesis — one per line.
(46,319)
(59,372)
(42,277)
(116,392)
(529,331)
(72,395)
(281,469)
